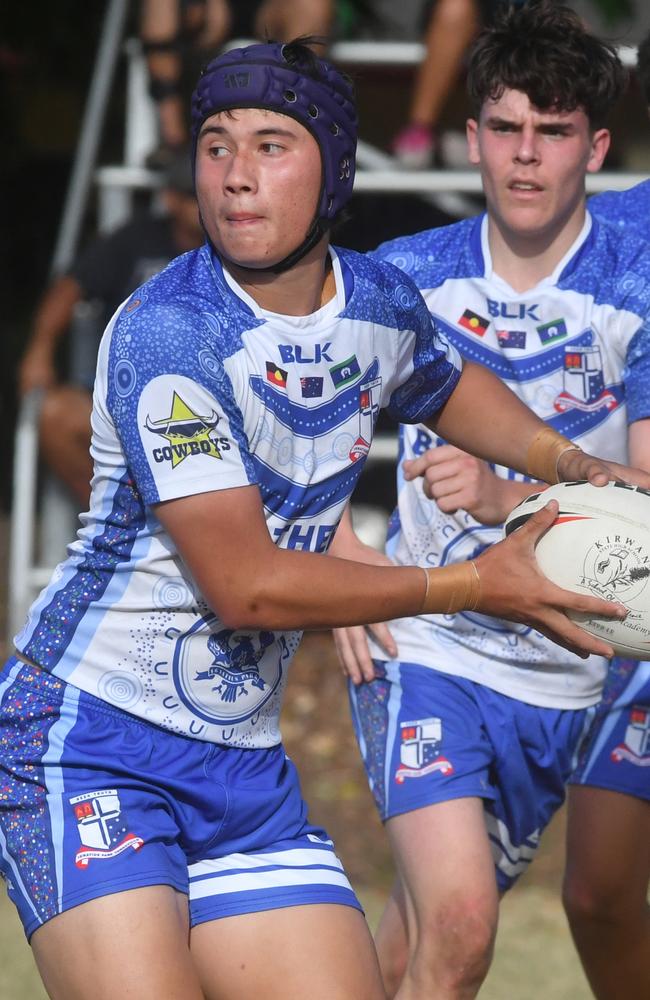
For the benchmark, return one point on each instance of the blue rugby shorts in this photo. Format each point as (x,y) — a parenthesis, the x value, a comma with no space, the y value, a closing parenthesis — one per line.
(429,737)
(94,801)
(616,751)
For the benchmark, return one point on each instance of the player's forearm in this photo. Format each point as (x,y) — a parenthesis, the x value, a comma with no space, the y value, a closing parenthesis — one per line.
(302,590)
(486,419)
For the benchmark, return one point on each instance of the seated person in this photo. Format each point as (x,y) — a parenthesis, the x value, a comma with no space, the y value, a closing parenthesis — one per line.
(107,270)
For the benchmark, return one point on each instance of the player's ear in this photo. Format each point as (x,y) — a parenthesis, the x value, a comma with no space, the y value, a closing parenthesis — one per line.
(600,142)
(471,131)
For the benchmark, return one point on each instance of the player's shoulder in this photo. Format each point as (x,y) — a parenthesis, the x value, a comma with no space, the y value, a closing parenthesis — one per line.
(614,267)
(381,292)
(179,294)
(434,255)
(628,209)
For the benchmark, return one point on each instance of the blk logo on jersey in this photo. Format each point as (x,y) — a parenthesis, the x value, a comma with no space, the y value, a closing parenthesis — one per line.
(636,745)
(419,751)
(512,310)
(102,829)
(296,354)
(187,434)
(473,322)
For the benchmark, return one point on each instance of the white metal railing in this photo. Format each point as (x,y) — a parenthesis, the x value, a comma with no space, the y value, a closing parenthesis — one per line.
(366,52)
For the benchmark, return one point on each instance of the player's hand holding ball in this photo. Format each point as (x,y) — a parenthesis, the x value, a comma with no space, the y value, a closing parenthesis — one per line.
(575,465)
(513,587)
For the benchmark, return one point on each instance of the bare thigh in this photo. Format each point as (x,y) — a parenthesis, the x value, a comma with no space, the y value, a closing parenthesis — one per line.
(323,952)
(132,945)
(608,847)
(442,853)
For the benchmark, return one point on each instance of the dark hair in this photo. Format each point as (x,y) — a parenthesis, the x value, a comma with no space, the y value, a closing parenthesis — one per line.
(643,68)
(544,50)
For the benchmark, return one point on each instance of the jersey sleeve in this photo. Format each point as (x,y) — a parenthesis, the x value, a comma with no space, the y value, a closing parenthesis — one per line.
(173,406)
(636,374)
(428,366)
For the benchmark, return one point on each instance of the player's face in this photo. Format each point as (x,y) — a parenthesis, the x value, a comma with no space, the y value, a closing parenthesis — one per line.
(258,180)
(533,164)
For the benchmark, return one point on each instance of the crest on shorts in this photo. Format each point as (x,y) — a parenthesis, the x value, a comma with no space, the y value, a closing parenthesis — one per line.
(102,828)
(635,747)
(420,750)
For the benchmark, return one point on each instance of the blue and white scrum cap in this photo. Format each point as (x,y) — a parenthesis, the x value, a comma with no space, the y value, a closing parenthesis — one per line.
(289,79)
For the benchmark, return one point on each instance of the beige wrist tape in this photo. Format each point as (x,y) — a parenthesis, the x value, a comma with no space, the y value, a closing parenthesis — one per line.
(544,454)
(451,588)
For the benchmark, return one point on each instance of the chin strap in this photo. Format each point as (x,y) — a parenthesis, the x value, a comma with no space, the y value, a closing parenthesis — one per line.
(315,234)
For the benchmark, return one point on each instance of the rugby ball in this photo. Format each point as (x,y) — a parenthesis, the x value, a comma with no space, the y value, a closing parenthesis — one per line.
(599,544)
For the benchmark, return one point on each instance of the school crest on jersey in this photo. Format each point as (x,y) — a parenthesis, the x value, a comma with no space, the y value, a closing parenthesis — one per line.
(225,677)
(103,830)
(420,750)
(369,396)
(584,381)
(635,747)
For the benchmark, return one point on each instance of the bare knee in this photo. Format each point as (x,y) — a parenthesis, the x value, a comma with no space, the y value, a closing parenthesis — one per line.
(455,944)
(592,901)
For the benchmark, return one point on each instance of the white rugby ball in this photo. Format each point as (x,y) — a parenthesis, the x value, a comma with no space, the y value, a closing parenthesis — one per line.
(599,544)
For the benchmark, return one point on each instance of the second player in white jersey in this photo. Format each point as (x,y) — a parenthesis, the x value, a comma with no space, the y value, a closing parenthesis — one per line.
(576,349)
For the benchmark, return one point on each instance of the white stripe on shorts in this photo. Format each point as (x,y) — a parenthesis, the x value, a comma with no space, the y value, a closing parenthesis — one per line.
(512,860)
(268,879)
(296,858)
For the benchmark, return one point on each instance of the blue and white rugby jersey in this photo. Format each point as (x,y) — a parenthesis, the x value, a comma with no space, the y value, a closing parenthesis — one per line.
(576,349)
(198,389)
(628,209)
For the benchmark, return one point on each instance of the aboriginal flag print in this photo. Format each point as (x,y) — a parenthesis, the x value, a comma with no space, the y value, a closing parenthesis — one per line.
(473,322)
(276,375)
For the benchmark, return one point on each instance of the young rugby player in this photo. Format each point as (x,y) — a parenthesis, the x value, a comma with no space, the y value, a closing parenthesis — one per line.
(469,727)
(608,837)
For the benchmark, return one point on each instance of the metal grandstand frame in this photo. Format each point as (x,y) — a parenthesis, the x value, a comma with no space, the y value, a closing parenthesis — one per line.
(33,553)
